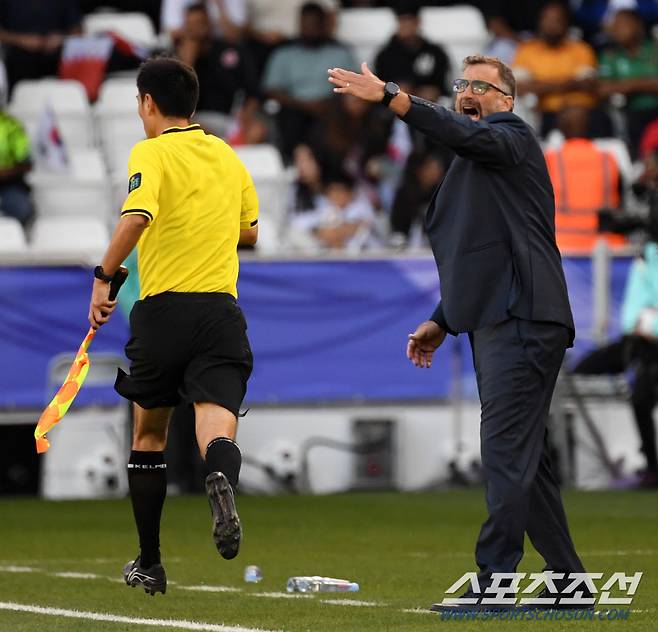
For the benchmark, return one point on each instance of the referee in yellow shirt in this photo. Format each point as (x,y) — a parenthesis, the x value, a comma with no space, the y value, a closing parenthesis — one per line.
(190,203)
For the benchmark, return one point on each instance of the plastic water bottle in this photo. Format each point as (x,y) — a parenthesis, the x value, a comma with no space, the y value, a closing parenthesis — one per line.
(253,574)
(320,584)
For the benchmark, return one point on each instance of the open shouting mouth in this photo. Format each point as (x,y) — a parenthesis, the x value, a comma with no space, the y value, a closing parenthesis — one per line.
(471,109)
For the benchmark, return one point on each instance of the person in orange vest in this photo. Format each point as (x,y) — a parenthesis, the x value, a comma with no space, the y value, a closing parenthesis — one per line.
(585,180)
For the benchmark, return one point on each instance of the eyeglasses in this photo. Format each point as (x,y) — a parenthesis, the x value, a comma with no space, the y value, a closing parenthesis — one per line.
(477,85)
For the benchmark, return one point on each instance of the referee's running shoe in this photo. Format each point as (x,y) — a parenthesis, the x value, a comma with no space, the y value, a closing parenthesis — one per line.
(226,529)
(153,579)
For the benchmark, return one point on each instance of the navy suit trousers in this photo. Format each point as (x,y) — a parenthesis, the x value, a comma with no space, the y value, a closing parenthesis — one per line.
(517,363)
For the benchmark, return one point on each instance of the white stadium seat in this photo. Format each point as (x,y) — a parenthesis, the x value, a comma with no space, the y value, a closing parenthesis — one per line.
(118,94)
(12,236)
(135,27)
(68,100)
(69,235)
(460,29)
(119,128)
(365,31)
(118,124)
(266,168)
(84,191)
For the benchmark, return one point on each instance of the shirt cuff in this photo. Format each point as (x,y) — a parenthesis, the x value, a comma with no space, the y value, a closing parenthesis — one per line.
(137,211)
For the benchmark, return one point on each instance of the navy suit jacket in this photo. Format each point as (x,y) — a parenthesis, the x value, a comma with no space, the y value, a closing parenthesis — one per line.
(491,223)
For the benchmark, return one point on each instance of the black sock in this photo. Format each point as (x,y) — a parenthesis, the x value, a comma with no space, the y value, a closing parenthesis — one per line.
(147,481)
(223,455)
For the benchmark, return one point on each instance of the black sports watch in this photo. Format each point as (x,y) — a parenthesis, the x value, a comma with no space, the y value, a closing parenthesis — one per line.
(99,273)
(391,90)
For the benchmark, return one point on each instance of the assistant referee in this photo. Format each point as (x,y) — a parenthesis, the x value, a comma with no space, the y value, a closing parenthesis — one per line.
(190,203)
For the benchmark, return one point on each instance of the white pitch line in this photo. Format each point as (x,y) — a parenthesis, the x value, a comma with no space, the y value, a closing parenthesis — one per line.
(180,624)
(207,588)
(352,602)
(18,569)
(418,611)
(72,575)
(620,553)
(280,595)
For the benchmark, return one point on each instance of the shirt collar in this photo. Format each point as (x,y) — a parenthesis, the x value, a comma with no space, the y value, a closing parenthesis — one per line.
(189,128)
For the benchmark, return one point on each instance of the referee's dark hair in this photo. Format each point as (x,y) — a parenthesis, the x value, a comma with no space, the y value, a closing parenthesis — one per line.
(172,84)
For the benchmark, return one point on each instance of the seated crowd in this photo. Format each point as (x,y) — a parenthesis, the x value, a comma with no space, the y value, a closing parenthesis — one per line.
(360,178)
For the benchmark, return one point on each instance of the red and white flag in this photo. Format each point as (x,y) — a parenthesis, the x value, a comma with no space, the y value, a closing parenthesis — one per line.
(51,152)
(85,60)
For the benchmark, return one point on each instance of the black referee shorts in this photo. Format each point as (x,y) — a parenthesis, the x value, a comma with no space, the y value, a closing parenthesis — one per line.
(190,347)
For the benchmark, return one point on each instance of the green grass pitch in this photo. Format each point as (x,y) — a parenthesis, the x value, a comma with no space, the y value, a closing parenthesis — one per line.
(403,549)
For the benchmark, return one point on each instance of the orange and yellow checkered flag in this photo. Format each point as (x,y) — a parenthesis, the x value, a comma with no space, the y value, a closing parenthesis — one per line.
(75,378)
(65,395)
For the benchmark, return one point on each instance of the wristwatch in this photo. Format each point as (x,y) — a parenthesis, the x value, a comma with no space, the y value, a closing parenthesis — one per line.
(99,273)
(391,90)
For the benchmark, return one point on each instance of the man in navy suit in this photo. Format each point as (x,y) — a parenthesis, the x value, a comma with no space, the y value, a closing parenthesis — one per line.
(491,225)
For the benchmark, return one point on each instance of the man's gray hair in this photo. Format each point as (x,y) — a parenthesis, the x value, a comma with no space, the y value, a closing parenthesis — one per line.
(504,71)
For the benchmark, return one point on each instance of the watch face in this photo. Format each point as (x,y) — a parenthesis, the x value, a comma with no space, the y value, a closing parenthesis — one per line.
(392,88)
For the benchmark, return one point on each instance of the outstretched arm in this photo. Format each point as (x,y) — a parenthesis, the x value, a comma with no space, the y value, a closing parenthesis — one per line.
(366,86)
(499,144)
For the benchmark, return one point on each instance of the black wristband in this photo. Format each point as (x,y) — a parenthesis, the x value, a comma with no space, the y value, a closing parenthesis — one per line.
(99,273)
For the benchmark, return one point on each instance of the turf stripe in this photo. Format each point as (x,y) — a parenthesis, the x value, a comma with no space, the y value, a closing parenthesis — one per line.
(180,624)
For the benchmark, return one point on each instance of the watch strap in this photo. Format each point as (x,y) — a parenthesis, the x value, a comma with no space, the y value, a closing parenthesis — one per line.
(390,95)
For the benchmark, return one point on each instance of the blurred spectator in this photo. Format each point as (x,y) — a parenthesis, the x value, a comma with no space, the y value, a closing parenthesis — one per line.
(504,40)
(307,189)
(273,22)
(228,17)
(585,180)
(557,68)
(409,60)
(520,16)
(14,164)
(649,140)
(638,348)
(296,76)
(249,127)
(32,32)
(423,173)
(631,69)
(224,71)
(350,134)
(590,15)
(343,220)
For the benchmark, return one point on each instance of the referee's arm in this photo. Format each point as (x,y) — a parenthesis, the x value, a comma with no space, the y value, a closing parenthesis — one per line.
(125,238)
(126,235)
(248,236)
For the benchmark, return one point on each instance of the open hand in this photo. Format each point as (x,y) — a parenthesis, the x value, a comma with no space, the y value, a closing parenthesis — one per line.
(422,344)
(365,86)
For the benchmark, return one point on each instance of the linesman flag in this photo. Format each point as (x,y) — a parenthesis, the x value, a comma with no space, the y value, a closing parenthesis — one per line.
(64,397)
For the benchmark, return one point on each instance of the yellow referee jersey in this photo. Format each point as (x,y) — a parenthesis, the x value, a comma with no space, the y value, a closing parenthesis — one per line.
(197,195)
